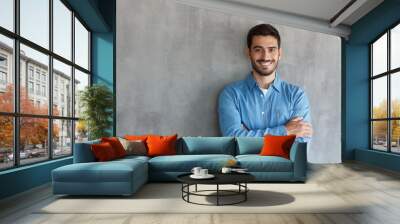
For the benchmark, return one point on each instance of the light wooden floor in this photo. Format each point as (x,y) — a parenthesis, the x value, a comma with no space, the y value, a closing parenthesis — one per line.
(378,188)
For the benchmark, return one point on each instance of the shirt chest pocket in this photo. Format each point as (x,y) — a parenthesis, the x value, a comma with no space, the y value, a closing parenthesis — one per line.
(281,114)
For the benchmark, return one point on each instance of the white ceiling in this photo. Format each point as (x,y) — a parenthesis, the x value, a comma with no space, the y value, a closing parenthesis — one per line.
(314,15)
(318,9)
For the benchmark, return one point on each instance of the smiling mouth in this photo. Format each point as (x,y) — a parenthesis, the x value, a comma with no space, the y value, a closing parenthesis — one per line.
(265,63)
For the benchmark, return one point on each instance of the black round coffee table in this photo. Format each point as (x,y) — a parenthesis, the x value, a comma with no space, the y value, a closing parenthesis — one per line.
(238,179)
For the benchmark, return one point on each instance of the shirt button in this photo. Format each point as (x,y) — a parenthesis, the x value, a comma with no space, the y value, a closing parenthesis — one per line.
(262,113)
(261,95)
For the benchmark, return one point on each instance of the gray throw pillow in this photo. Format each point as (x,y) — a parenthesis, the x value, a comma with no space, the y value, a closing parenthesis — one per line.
(137,148)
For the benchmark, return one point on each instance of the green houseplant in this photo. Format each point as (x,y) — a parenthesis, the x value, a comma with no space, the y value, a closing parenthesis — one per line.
(96,102)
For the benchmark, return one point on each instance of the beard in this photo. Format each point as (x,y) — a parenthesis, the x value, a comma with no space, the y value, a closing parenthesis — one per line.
(261,71)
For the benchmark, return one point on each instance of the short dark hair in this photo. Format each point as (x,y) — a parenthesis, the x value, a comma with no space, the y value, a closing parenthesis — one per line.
(263,30)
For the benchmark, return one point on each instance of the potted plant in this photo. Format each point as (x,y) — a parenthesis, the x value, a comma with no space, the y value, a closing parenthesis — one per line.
(96,102)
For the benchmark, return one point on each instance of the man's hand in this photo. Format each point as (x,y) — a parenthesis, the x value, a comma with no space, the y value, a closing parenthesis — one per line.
(298,127)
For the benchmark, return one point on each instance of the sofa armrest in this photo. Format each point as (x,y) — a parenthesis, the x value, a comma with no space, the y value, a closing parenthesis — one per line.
(298,155)
(83,152)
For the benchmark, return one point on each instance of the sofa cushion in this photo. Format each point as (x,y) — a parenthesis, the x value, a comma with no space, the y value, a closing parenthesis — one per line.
(111,171)
(208,145)
(257,163)
(249,145)
(185,163)
(132,158)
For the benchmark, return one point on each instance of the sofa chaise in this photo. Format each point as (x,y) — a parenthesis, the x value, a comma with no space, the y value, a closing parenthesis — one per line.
(125,176)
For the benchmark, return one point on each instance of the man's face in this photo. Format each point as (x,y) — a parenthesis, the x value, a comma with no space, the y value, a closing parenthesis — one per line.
(264,54)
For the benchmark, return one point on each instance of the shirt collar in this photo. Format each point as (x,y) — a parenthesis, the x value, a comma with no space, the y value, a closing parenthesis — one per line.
(276,84)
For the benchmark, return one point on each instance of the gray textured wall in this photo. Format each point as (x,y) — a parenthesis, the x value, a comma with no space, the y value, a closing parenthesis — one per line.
(173,60)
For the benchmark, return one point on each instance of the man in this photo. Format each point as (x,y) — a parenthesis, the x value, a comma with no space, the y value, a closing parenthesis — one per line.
(262,103)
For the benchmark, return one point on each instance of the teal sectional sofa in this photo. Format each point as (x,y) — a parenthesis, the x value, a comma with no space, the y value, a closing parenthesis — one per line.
(125,176)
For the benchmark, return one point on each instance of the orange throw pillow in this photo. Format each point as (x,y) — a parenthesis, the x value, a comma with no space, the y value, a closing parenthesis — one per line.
(103,152)
(116,145)
(161,145)
(136,137)
(277,145)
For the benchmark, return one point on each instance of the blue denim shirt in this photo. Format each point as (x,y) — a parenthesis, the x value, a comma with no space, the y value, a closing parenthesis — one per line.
(243,106)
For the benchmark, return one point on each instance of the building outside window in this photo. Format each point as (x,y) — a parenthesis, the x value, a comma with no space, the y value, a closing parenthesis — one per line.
(59,133)
(385,91)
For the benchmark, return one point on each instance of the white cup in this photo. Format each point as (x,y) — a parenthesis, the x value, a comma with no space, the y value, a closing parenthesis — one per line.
(196,171)
(226,170)
(203,172)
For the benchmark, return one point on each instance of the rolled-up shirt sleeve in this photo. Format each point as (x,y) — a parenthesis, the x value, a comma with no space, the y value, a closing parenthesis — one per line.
(301,108)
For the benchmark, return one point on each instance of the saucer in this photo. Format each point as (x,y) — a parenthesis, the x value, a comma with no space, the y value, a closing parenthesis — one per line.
(208,176)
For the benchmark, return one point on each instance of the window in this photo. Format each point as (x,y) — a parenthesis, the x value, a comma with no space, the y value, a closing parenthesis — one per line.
(62,29)
(3,61)
(37,74)
(30,87)
(35,21)
(3,82)
(7,14)
(3,72)
(6,142)
(6,73)
(30,72)
(385,94)
(33,149)
(81,45)
(3,78)
(62,75)
(62,137)
(47,73)
(44,91)
(37,89)
(81,81)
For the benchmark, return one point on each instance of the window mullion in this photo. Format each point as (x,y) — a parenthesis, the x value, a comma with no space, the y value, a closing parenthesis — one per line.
(389,106)
(50,81)
(73,82)
(371,99)
(16,85)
